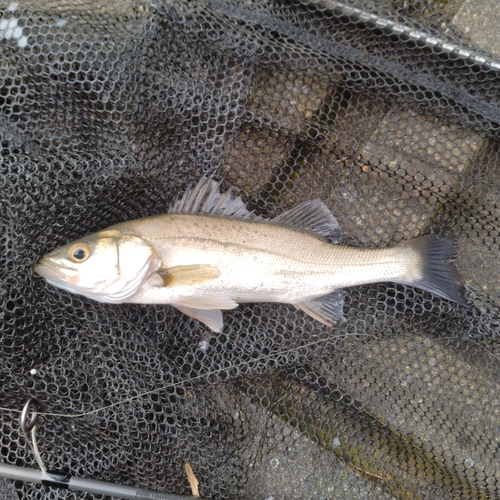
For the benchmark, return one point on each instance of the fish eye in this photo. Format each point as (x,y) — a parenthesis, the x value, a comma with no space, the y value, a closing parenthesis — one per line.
(79,252)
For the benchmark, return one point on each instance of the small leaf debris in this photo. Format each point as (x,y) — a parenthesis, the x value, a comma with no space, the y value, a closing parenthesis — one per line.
(192,480)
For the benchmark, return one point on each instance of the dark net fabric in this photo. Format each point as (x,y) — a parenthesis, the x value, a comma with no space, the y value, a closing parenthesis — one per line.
(110,110)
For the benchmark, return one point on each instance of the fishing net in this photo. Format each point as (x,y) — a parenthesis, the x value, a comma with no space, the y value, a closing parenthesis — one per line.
(382,110)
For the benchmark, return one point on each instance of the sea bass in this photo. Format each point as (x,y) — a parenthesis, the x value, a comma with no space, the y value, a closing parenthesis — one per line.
(210,253)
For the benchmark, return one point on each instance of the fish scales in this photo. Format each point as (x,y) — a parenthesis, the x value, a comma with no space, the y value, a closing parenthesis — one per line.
(282,263)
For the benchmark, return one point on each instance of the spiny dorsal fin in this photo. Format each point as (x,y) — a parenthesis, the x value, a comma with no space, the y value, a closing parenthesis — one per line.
(206,197)
(313,216)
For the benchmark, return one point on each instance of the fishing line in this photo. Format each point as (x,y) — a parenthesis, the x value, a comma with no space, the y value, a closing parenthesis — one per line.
(197,377)
(220,370)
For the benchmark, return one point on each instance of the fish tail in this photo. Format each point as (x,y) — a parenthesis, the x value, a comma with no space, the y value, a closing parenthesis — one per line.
(437,275)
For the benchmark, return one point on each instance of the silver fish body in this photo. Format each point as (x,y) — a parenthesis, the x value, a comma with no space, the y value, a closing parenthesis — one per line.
(261,261)
(210,253)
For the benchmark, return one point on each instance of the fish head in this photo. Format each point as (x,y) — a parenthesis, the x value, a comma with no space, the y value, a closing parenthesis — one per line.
(108,266)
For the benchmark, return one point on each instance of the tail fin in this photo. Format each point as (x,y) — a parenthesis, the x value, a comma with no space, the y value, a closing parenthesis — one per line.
(438,275)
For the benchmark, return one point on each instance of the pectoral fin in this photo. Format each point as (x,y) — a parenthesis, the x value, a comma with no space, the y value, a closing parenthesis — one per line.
(188,275)
(212,318)
(327,309)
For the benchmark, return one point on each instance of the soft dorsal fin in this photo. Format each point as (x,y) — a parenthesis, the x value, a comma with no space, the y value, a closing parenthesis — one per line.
(313,216)
(206,197)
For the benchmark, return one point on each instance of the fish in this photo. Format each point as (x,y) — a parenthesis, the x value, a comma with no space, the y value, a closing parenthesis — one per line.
(209,253)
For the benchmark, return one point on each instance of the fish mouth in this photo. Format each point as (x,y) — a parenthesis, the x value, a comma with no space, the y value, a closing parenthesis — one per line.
(43,269)
(52,272)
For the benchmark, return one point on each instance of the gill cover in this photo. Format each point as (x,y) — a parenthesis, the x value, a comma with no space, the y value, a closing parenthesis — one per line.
(136,259)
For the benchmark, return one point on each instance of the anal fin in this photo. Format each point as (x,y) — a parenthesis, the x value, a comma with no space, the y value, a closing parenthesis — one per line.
(327,309)
(211,318)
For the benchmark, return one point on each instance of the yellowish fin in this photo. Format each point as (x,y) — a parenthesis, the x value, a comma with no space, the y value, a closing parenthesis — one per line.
(192,275)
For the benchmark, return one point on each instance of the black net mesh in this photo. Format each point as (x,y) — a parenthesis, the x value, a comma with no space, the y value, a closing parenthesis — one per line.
(109,110)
